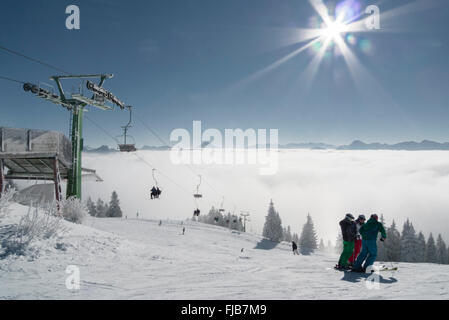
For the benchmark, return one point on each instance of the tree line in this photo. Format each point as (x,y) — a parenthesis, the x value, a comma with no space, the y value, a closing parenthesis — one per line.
(100,209)
(405,246)
(216,217)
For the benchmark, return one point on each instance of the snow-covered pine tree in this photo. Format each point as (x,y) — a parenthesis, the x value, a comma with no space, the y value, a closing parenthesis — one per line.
(339,243)
(447,262)
(101,209)
(408,243)
(114,210)
(421,248)
(296,238)
(381,252)
(441,250)
(308,240)
(91,209)
(330,247)
(321,246)
(272,228)
(287,234)
(393,244)
(431,250)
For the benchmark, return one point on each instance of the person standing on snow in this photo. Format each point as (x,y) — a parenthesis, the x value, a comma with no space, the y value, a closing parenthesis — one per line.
(358,240)
(295,248)
(369,233)
(348,230)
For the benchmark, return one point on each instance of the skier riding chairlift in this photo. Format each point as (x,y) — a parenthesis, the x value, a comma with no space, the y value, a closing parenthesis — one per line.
(155,191)
(196,212)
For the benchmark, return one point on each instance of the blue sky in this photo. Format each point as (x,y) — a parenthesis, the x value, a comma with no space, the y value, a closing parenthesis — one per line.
(179,61)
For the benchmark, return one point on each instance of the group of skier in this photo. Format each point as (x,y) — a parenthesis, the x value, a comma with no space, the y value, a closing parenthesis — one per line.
(359,242)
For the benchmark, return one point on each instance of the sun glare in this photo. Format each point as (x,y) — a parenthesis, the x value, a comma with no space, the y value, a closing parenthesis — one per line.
(333,30)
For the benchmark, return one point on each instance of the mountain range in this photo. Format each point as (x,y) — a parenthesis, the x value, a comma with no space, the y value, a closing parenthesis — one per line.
(355,145)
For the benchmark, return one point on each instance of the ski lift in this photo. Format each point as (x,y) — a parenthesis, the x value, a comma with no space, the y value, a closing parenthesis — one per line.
(155,191)
(198,194)
(221,206)
(127,147)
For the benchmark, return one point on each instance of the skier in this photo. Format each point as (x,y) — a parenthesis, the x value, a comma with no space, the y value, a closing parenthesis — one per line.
(183,230)
(369,233)
(294,248)
(358,241)
(348,230)
(160,222)
(154,193)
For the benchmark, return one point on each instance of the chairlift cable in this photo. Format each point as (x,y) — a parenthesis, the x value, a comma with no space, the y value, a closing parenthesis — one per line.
(12,80)
(32,59)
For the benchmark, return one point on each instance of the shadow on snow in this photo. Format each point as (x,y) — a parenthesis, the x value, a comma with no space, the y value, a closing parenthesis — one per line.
(266,244)
(357,277)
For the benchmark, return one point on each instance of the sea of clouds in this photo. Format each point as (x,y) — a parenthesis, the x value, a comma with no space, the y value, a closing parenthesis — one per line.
(325,183)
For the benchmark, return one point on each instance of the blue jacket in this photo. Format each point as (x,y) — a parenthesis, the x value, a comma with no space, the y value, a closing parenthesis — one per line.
(371,228)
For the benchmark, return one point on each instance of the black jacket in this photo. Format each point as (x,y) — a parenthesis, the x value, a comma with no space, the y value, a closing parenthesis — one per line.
(294,246)
(348,230)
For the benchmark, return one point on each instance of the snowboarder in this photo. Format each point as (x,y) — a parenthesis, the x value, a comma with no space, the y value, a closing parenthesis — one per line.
(369,233)
(294,248)
(358,240)
(348,230)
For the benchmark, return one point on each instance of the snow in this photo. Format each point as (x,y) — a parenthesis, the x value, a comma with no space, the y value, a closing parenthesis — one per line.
(138,259)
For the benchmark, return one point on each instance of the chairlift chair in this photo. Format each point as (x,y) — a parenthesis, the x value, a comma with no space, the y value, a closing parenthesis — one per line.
(198,194)
(127,147)
(155,191)
(221,207)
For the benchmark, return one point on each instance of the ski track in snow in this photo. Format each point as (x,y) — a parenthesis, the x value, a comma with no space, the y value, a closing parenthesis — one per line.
(138,259)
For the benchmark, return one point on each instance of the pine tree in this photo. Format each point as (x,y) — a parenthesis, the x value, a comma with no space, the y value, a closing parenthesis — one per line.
(421,248)
(330,247)
(321,246)
(114,210)
(441,250)
(91,207)
(381,251)
(393,244)
(308,239)
(296,238)
(408,243)
(431,250)
(101,209)
(272,228)
(339,243)
(287,234)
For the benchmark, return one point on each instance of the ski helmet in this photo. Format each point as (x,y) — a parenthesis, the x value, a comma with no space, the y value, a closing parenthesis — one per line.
(349,216)
(362,217)
(374,216)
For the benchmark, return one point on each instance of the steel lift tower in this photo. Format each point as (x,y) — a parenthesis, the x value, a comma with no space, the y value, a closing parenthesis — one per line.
(76,103)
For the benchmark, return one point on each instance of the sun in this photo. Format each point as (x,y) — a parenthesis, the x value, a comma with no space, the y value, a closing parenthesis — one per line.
(332,30)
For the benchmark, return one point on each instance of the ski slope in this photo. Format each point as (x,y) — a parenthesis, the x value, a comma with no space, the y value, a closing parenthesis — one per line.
(138,259)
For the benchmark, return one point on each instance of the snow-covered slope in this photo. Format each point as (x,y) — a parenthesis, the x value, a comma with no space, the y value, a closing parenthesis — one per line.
(138,259)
